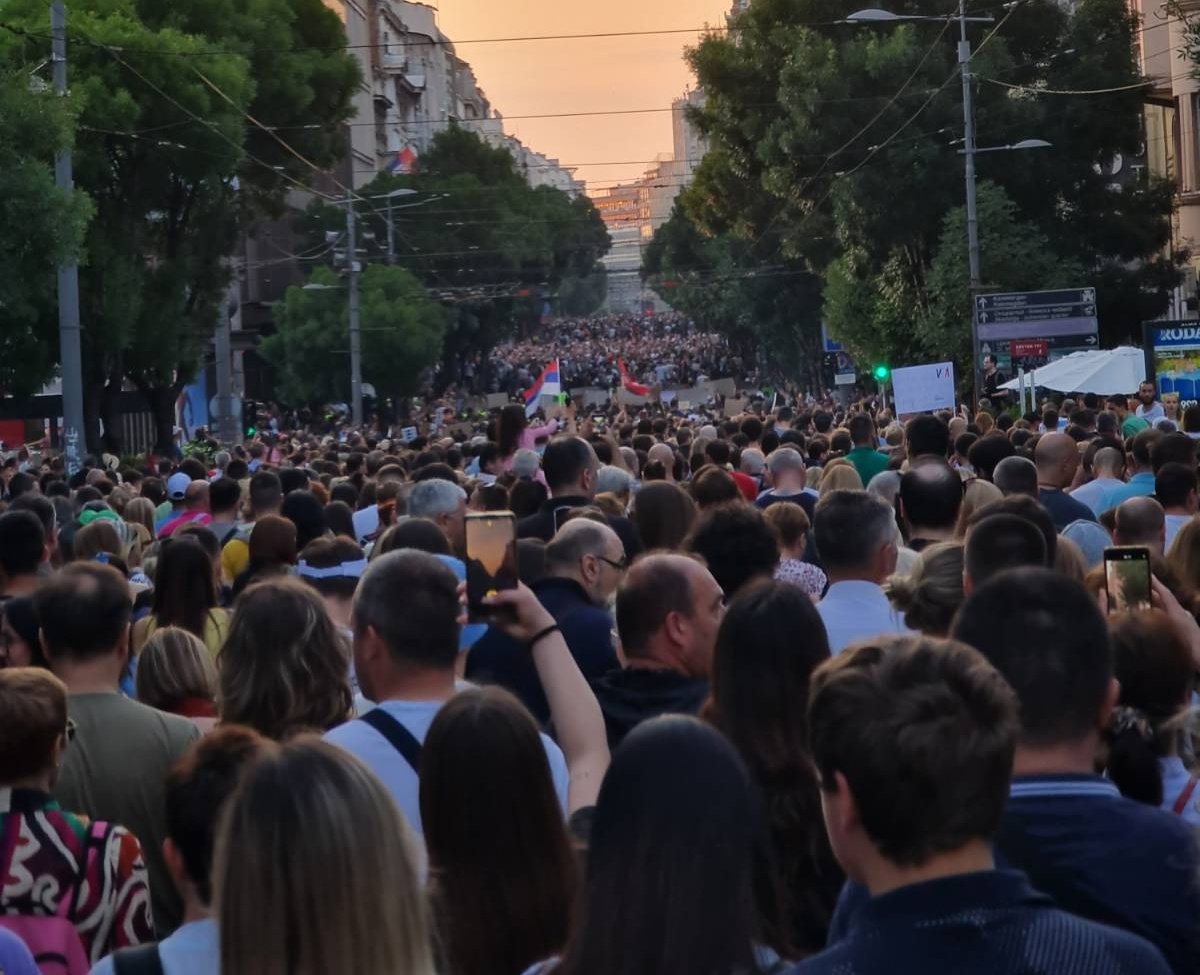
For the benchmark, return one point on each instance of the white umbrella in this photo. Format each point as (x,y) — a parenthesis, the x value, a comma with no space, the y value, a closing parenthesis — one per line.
(1104,372)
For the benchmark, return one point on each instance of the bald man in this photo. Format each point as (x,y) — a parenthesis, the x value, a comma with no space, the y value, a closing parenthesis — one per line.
(931,495)
(1108,470)
(1141,521)
(1057,459)
(665,455)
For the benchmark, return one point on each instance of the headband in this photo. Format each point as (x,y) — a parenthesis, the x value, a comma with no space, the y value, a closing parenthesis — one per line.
(346,570)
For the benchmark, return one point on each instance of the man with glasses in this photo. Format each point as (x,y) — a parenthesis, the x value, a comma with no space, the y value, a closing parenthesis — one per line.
(585,562)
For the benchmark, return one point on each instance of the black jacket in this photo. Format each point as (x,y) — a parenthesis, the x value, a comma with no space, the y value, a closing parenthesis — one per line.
(541,524)
(633,695)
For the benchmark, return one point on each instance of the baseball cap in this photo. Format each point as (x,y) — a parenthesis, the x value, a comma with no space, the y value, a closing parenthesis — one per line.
(177,485)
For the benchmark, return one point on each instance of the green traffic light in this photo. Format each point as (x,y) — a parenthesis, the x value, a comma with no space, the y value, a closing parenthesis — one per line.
(250,431)
(881,373)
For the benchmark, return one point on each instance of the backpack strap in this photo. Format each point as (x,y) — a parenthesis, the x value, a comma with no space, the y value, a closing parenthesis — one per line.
(1185,796)
(398,736)
(142,960)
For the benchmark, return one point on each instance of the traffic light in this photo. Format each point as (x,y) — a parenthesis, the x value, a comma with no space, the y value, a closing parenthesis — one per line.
(249,418)
(881,373)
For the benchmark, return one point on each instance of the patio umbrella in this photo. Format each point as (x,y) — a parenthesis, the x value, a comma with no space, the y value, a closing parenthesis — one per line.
(1103,371)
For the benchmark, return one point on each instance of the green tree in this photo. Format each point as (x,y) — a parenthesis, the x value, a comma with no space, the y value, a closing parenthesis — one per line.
(42,226)
(480,237)
(402,330)
(839,143)
(176,170)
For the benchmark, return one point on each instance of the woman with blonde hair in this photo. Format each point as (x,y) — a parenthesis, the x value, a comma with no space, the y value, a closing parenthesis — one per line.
(929,596)
(840,475)
(284,667)
(175,674)
(140,511)
(976,494)
(350,901)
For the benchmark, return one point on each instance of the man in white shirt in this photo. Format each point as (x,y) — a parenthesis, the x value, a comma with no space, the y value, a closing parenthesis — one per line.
(406,629)
(1175,489)
(856,540)
(1108,465)
(1149,409)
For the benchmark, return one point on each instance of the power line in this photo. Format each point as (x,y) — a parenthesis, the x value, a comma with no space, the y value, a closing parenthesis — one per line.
(1034,90)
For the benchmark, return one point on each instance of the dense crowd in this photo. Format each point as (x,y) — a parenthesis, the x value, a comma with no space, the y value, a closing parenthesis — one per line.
(797,690)
(664,349)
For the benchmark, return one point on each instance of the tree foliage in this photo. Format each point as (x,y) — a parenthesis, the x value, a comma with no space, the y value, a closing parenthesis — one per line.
(838,143)
(402,331)
(166,152)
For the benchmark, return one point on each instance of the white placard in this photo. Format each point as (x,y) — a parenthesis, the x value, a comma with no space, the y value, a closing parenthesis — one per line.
(666,396)
(408,434)
(916,389)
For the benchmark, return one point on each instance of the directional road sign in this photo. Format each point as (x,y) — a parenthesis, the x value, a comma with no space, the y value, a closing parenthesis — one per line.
(1037,314)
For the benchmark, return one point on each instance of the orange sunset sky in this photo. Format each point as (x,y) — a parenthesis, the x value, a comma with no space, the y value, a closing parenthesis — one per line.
(597,74)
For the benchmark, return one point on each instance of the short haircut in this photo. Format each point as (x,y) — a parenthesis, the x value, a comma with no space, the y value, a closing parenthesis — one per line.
(653,589)
(999,542)
(790,522)
(577,538)
(1016,475)
(862,429)
(714,486)
(1046,635)
(785,459)
(932,494)
(434,497)
(82,611)
(224,494)
(266,492)
(1139,521)
(1173,483)
(1173,448)
(737,544)
(924,732)
(327,553)
(41,506)
(33,713)
(414,533)
(926,434)
(565,459)
(1025,507)
(411,600)
(1143,446)
(22,543)
(850,527)
(196,790)
(987,452)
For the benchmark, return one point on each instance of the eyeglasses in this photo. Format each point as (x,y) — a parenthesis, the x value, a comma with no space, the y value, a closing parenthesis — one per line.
(619,566)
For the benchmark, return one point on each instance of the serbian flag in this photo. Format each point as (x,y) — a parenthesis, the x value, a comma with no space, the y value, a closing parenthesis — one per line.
(630,386)
(547,384)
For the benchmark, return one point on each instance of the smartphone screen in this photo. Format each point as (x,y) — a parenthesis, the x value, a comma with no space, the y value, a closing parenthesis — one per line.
(491,559)
(560,516)
(1127,578)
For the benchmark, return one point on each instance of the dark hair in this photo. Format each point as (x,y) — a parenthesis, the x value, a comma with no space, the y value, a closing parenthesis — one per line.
(224,494)
(926,434)
(510,427)
(987,452)
(417,533)
(499,906)
(1045,634)
(1001,541)
(1025,507)
(526,497)
(325,553)
(736,543)
(411,600)
(345,492)
(22,618)
(196,790)
(752,427)
(651,904)
(266,492)
(39,505)
(564,460)
(1173,483)
(339,517)
(292,479)
(850,527)
(924,732)
(184,589)
(862,429)
(1173,448)
(492,496)
(714,486)
(303,510)
(932,494)
(22,543)
(663,513)
(1154,668)
(768,645)
(82,610)
(655,587)
(1143,446)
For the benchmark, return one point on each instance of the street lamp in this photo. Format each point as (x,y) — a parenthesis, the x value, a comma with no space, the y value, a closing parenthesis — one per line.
(968,151)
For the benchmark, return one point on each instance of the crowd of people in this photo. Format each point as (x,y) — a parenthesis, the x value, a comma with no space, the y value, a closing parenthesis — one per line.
(665,349)
(798,690)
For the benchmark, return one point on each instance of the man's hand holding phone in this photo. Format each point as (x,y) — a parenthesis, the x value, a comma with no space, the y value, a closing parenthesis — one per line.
(525,616)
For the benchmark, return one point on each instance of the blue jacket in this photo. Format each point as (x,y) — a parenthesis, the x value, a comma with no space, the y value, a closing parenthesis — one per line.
(587,629)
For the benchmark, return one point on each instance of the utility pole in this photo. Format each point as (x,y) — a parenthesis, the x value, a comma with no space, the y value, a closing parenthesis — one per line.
(391,234)
(964,62)
(227,421)
(356,400)
(68,274)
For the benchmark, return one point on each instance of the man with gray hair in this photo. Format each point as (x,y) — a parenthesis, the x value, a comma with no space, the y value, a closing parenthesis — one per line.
(788,475)
(856,536)
(445,504)
(526,463)
(585,563)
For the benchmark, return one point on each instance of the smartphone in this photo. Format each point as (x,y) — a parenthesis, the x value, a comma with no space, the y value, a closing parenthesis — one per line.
(491,559)
(560,517)
(1127,577)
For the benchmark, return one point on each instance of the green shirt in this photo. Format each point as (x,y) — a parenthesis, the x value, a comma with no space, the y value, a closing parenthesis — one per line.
(868,462)
(1132,425)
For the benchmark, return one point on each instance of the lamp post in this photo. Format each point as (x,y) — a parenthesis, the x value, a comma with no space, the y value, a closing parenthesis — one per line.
(969,151)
